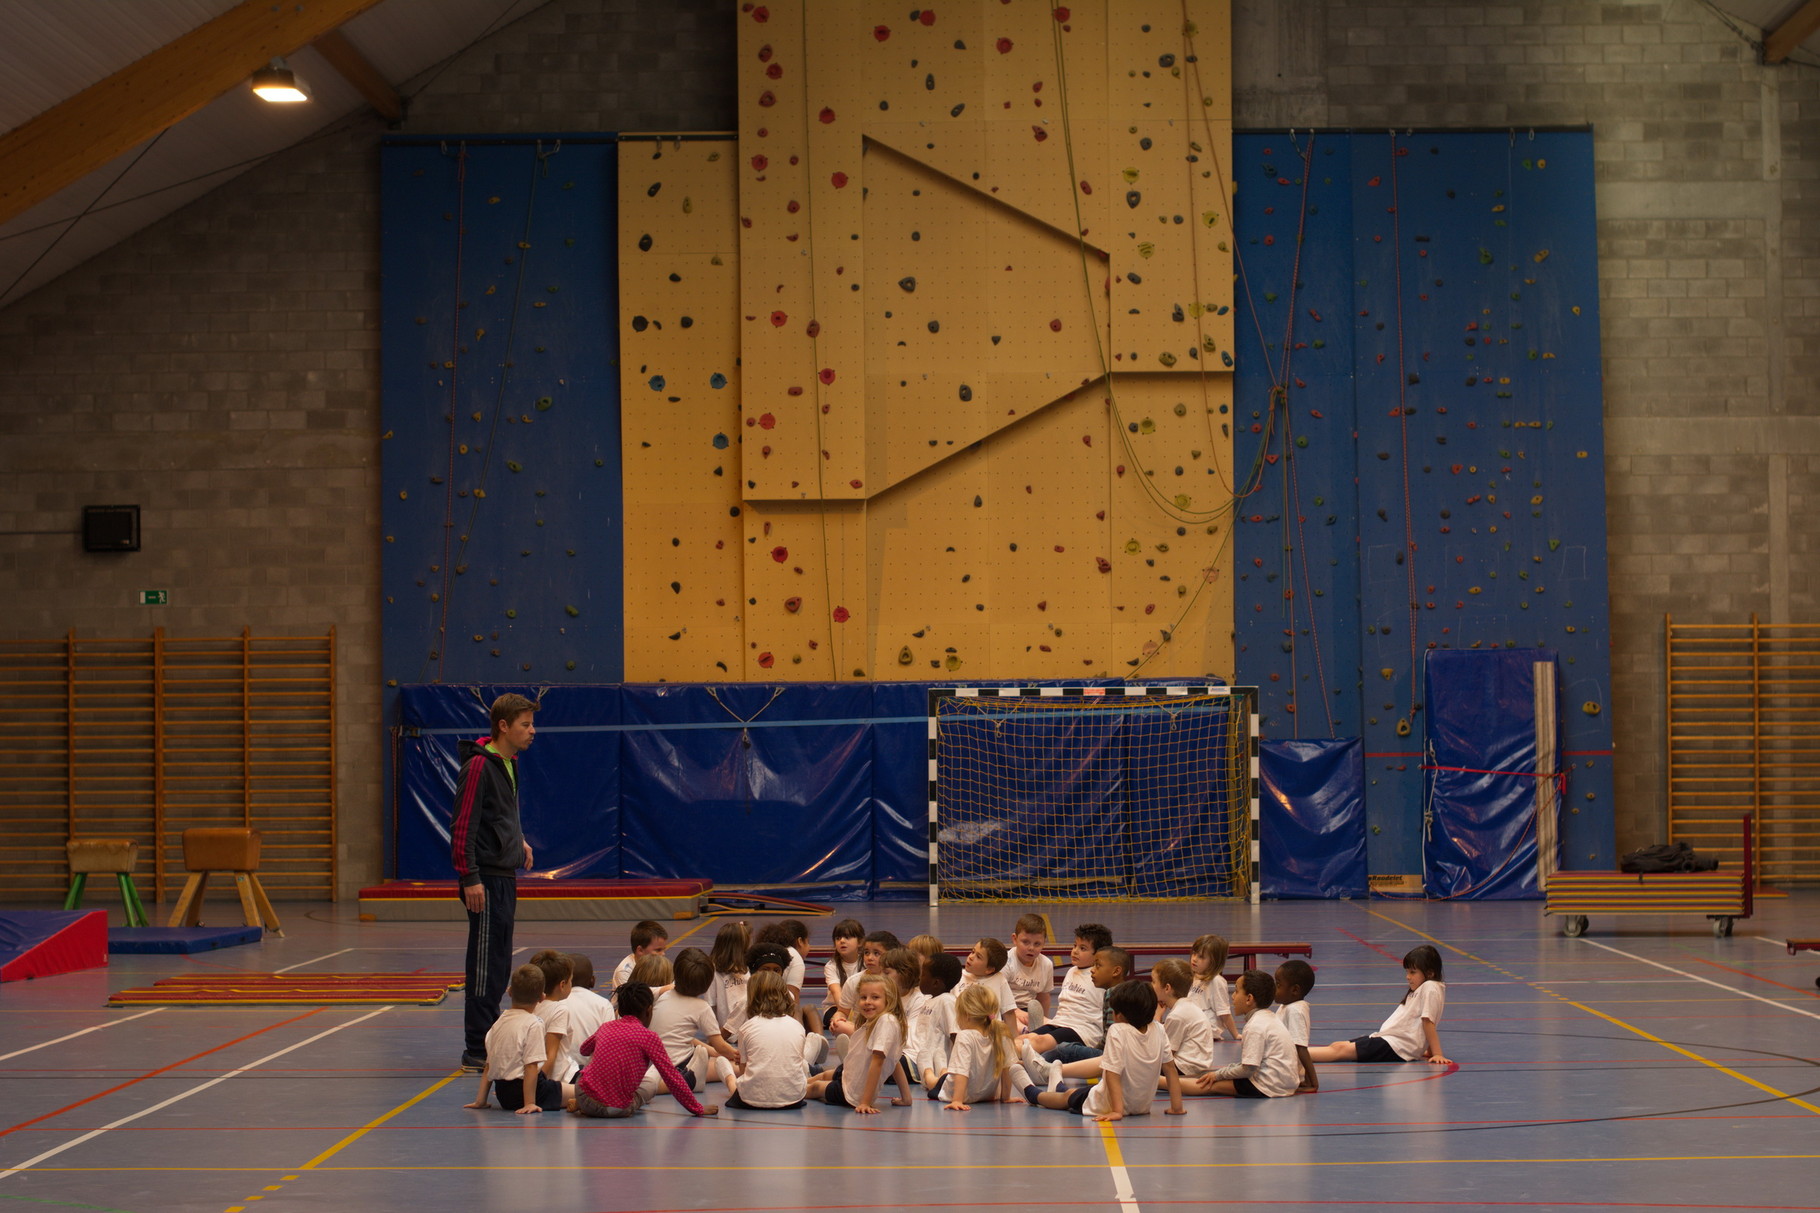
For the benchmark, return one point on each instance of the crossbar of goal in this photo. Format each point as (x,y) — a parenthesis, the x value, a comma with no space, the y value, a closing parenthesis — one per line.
(1169,701)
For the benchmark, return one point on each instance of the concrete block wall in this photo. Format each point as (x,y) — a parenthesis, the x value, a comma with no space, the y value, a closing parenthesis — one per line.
(1709,225)
(221,367)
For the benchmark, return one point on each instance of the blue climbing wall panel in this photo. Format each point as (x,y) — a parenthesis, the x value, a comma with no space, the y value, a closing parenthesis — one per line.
(501,465)
(1418,381)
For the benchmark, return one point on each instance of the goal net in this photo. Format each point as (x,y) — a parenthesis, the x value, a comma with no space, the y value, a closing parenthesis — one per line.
(1092,793)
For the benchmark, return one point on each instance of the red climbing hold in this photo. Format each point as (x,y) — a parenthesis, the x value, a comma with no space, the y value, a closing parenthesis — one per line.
(780,554)
(827,114)
(815,329)
(1039,132)
(775,71)
(1055,326)
(827,375)
(767,98)
(1086,439)
(881,32)
(767,421)
(1061,13)
(1004,46)
(793,605)
(761,14)
(927,16)
(855,484)
(765,660)
(779,319)
(760,163)
(841,614)
(839,180)
(1086,187)
(1105,564)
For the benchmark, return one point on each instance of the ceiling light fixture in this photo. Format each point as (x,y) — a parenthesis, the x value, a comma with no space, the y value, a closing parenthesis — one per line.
(278,84)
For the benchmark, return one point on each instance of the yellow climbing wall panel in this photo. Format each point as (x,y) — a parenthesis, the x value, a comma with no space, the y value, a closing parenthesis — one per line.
(679,318)
(982,317)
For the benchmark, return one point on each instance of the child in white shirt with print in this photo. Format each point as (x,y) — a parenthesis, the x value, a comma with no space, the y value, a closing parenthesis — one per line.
(1410,1033)
(1137,1053)
(1267,1068)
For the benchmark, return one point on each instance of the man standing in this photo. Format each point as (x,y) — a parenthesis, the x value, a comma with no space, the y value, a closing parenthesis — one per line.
(488,846)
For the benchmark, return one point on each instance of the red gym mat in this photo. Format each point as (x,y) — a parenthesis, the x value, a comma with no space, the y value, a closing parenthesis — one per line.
(313,989)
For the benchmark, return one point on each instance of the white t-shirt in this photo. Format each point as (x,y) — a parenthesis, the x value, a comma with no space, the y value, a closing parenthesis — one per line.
(1027,983)
(793,976)
(679,1021)
(1190,1038)
(587,1012)
(933,1026)
(513,1042)
(727,995)
(1404,1027)
(1268,1047)
(972,1056)
(831,977)
(1137,1057)
(1081,1006)
(555,1017)
(1295,1020)
(886,1036)
(776,1073)
(997,983)
(1214,996)
(847,991)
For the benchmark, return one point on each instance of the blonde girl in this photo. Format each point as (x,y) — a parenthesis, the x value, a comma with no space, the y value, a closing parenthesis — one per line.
(1210,991)
(728,993)
(876,1052)
(983,1063)
(774,1049)
(655,970)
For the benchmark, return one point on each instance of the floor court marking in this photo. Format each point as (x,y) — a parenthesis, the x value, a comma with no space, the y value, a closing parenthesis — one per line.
(1702,980)
(196,1090)
(84,1032)
(311,961)
(361,1132)
(1115,1161)
(1540,987)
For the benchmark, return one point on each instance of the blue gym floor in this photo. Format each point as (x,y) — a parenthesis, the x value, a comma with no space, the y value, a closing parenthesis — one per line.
(1647,1065)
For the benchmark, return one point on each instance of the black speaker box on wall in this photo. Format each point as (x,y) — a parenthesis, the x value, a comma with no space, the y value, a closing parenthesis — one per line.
(110,528)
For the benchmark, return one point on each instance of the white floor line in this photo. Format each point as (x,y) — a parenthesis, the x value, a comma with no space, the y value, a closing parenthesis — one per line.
(1121,1188)
(196,1090)
(301,963)
(84,1032)
(1730,989)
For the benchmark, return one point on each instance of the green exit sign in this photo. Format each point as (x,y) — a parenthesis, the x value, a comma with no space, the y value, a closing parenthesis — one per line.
(154,597)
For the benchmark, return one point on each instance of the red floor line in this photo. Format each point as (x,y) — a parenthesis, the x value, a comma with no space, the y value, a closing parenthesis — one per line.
(1756,977)
(1378,948)
(160,1070)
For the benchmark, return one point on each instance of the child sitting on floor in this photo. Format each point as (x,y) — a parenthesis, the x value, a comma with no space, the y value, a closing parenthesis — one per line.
(619,1055)
(515,1053)
(1137,1053)
(1268,1068)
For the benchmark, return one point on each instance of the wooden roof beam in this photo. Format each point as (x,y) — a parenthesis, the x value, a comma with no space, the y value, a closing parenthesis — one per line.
(355,68)
(77,136)
(1780,42)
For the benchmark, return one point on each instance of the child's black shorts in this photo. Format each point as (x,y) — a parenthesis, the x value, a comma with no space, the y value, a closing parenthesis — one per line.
(1061,1035)
(836,1094)
(1244,1088)
(511,1093)
(734,1101)
(1077,1099)
(828,1014)
(1375,1048)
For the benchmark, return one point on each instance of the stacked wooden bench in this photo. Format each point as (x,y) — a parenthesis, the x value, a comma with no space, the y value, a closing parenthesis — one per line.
(1722,895)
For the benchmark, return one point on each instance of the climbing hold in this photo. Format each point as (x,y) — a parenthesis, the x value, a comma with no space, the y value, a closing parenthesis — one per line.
(908,282)
(572,611)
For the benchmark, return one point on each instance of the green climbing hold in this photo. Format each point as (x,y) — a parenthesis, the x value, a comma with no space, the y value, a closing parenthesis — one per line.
(572,611)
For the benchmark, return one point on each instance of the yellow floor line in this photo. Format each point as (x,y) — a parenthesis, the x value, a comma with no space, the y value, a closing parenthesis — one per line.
(1540,987)
(363,1130)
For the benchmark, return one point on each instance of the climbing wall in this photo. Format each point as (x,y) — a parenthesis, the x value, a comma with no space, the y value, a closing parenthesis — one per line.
(1420,404)
(501,459)
(679,347)
(984,351)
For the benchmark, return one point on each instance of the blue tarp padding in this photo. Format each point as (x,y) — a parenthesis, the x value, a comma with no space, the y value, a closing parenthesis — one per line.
(1312,826)
(22,930)
(568,783)
(768,805)
(826,786)
(1481,715)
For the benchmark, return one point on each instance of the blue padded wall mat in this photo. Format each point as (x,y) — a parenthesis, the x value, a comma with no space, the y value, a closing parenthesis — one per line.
(1312,818)
(1418,393)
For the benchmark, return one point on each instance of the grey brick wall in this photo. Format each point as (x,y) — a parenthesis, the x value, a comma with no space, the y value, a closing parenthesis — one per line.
(221,367)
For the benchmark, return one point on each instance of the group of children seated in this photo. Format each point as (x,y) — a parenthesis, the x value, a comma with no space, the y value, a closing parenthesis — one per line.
(992,1028)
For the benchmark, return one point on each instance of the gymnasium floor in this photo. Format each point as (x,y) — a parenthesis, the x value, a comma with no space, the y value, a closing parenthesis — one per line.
(1647,1065)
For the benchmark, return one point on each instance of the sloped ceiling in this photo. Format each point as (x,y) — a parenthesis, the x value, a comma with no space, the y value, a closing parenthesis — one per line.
(53,49)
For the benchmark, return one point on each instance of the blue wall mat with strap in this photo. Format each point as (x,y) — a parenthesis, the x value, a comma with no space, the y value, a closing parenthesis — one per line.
(1482,777)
